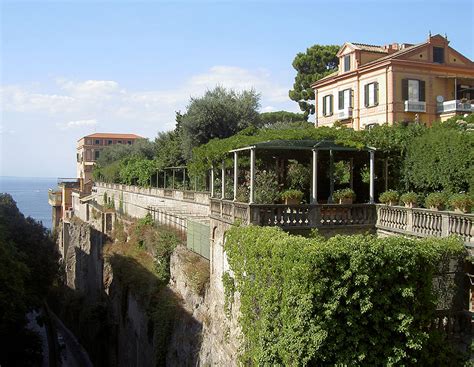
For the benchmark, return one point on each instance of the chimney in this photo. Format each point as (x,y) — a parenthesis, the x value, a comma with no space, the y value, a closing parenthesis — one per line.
(394,47)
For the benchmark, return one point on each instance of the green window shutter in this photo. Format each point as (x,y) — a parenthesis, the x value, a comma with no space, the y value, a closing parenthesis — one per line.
(351,93)
(341,100)
(405,89)
(366,95)
(331,104)
(421,91)
(324,106)
(376,94)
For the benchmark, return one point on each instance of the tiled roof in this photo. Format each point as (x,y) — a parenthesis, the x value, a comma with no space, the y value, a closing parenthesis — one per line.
(329,76)
(113,136)
(370,48)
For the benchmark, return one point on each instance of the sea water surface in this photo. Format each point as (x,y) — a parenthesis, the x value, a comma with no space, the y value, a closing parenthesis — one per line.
(31,195)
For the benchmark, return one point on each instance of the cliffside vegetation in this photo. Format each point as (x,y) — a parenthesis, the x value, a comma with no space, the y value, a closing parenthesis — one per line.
(28,268)
(139,260)
(349,300)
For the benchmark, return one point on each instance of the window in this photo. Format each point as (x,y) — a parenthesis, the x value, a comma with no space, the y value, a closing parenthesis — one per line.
(413,90)
(96,154)
(438,55)
(129,142)
(345,99)
(109,142)
(347,63)
(77,157)
(327,105)
(119,142)
(97,142)
(371,94)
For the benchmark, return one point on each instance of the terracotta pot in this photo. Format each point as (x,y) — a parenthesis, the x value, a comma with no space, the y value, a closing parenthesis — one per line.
(292,201)
(410,205)
(392,203)
(346,201)
(462,210)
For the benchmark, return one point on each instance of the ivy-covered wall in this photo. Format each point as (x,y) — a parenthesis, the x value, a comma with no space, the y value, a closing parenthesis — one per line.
(349,300)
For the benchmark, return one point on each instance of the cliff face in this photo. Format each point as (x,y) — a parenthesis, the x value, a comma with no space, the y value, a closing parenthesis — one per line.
(194,329)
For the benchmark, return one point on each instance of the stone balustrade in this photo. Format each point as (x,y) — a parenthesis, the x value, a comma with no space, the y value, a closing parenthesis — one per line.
(425,222)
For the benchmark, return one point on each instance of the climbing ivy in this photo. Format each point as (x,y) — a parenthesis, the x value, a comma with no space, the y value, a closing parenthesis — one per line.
(350,300)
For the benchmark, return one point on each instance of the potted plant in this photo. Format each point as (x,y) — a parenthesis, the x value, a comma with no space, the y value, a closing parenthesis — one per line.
(344,196)
(462,202)
(410,199)
(436,201)
(292,196)
(389,197)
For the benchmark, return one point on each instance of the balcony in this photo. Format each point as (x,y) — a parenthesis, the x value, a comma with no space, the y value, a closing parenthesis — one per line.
(55,198)
(344,114)
(454,106)
(415,106)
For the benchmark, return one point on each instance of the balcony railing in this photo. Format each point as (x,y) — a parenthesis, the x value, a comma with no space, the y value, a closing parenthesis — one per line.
(346,113)
(454,106)
(415,106)
(55,198)
(295,216)
(425,222)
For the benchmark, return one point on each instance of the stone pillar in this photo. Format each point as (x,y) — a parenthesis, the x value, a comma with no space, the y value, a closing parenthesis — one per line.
(236,174)
(212,181)
(372,177)
(223,180)
(314,187)
(331,176)
(172,182)
(252,176)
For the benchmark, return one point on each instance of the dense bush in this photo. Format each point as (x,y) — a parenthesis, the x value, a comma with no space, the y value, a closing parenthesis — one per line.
(350,300)
(267,190)
(389,196)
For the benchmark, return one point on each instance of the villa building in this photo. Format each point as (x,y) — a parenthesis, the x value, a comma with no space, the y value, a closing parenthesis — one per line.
(90,146)
(398,82)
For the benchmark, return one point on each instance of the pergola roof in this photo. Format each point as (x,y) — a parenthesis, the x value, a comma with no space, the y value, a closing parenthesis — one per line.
(307,144)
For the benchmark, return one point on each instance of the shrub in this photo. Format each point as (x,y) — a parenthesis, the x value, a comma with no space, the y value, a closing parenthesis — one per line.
(298,176)
(461,201)
(292,194)
(266,187)
(344,194)
(389,196)
(436,200)
(349,300)
(409,198)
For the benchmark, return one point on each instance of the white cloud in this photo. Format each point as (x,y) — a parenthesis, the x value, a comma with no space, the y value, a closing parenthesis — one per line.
(111,103)
(76,124)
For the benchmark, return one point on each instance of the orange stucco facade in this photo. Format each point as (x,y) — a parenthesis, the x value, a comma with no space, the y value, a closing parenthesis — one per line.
(394,83)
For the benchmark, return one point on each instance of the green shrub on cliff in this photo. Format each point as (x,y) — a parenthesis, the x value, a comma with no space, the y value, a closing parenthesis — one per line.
(348,300)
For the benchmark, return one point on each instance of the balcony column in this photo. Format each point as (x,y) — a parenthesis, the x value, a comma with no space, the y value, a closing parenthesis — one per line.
(157,178)
(331,176)
(164,179)
(252,176)
(184,178)
(314,187)
(212,181)
(223,180)
(372,176)
(172,182)
(236,174)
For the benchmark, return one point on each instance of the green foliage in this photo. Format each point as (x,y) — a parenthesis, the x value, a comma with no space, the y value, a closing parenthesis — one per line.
(409,198)
(137,171)
(266,187)
(342,194)
(292,194)
(298,176)
(316,63)
(28,268)
(462,201)
(229,291)
(436,200)
(220,113)
(348,300)
(389,196)
(168,147)
(441,159)
(271,118)
(342,172)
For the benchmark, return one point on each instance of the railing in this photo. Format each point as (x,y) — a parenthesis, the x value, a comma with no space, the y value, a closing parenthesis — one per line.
(55,198)
(346,113)
(425,222)
(454,106)
(415,106)
(188,195)
(295,216)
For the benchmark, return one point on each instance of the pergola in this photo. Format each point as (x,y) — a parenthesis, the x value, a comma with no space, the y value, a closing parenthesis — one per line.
(295,146)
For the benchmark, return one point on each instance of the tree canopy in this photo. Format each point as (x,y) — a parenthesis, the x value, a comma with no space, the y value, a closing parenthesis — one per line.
(317,62)
(220,113)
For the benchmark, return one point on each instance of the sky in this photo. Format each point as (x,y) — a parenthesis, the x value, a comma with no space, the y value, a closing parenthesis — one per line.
(72,68)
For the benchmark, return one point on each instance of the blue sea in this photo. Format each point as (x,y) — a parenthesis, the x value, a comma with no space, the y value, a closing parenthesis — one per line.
(31,195)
